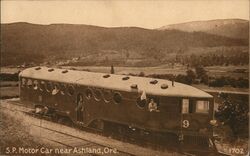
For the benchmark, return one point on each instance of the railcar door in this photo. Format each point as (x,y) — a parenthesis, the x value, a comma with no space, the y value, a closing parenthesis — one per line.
(195,114)
(195,117)
(79,108)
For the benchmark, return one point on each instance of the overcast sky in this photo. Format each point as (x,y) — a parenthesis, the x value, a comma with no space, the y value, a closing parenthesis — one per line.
(140,13)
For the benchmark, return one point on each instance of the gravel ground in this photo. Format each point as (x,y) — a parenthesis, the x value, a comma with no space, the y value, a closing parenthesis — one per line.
(18,130)
(15,135)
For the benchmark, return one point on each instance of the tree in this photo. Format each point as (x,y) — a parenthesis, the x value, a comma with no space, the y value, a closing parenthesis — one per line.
(205,79)
(200,71)
(190,76)
(234,113)
(181,78)
(112,71)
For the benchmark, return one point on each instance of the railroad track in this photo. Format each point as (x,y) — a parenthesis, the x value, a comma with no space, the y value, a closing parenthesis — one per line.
(63,140)
(69,144)
(68,140)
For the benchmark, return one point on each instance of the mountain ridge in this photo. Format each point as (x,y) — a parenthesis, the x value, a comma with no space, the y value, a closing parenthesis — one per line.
(233,28)
(25,42)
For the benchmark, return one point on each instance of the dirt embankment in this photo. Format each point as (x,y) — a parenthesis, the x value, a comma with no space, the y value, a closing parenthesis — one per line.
(15,135)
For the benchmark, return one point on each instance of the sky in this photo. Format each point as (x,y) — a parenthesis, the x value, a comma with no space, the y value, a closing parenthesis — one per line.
(108,13)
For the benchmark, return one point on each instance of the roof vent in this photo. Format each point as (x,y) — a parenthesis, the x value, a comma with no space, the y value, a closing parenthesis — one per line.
(106,76)
(125,78)
(51,69)
(164,86)
(37,68)
(134,86)
(153,81)
(64,71)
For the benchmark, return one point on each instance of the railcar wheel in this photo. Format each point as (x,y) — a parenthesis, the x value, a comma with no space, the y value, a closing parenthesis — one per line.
(38,110)
(54,117)
(122,130)
(98,125)
(65,121)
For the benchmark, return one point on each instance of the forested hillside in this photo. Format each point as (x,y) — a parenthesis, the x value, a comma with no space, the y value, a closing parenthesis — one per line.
(25,43)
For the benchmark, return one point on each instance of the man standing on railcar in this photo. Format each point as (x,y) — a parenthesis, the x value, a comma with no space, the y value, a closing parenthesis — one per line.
(80,108)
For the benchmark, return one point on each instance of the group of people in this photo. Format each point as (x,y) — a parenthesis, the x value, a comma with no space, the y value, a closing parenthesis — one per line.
(152,105)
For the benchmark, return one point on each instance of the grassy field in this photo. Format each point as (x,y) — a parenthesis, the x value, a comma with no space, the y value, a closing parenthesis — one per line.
(166,69)
(227,89)
(10,70)
(162,69)
(9,84)
(9,92)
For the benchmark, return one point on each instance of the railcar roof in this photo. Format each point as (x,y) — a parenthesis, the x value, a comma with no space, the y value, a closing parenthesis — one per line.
(115,82)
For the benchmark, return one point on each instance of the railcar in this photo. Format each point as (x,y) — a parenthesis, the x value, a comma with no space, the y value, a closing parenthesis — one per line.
(146,104)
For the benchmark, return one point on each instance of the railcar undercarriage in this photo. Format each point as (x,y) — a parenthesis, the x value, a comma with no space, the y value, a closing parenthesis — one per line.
(197,145)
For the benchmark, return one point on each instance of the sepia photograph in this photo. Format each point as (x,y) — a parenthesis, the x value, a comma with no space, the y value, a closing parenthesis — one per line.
(124,78)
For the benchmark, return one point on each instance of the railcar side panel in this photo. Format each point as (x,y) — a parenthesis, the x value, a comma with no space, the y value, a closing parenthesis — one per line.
(117,106)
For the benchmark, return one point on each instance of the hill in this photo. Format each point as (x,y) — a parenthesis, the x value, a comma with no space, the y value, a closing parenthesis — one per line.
(25,42)
(233,28)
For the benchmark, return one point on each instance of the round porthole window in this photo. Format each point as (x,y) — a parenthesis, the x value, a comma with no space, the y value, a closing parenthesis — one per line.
(35,85)
(62,89)
(141,103)
(107,95)
(42,86)
(23,82)
(48,86)
(55,89)
(97,94)
(88,93)
(117,98)
(71,90)
(29,83)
